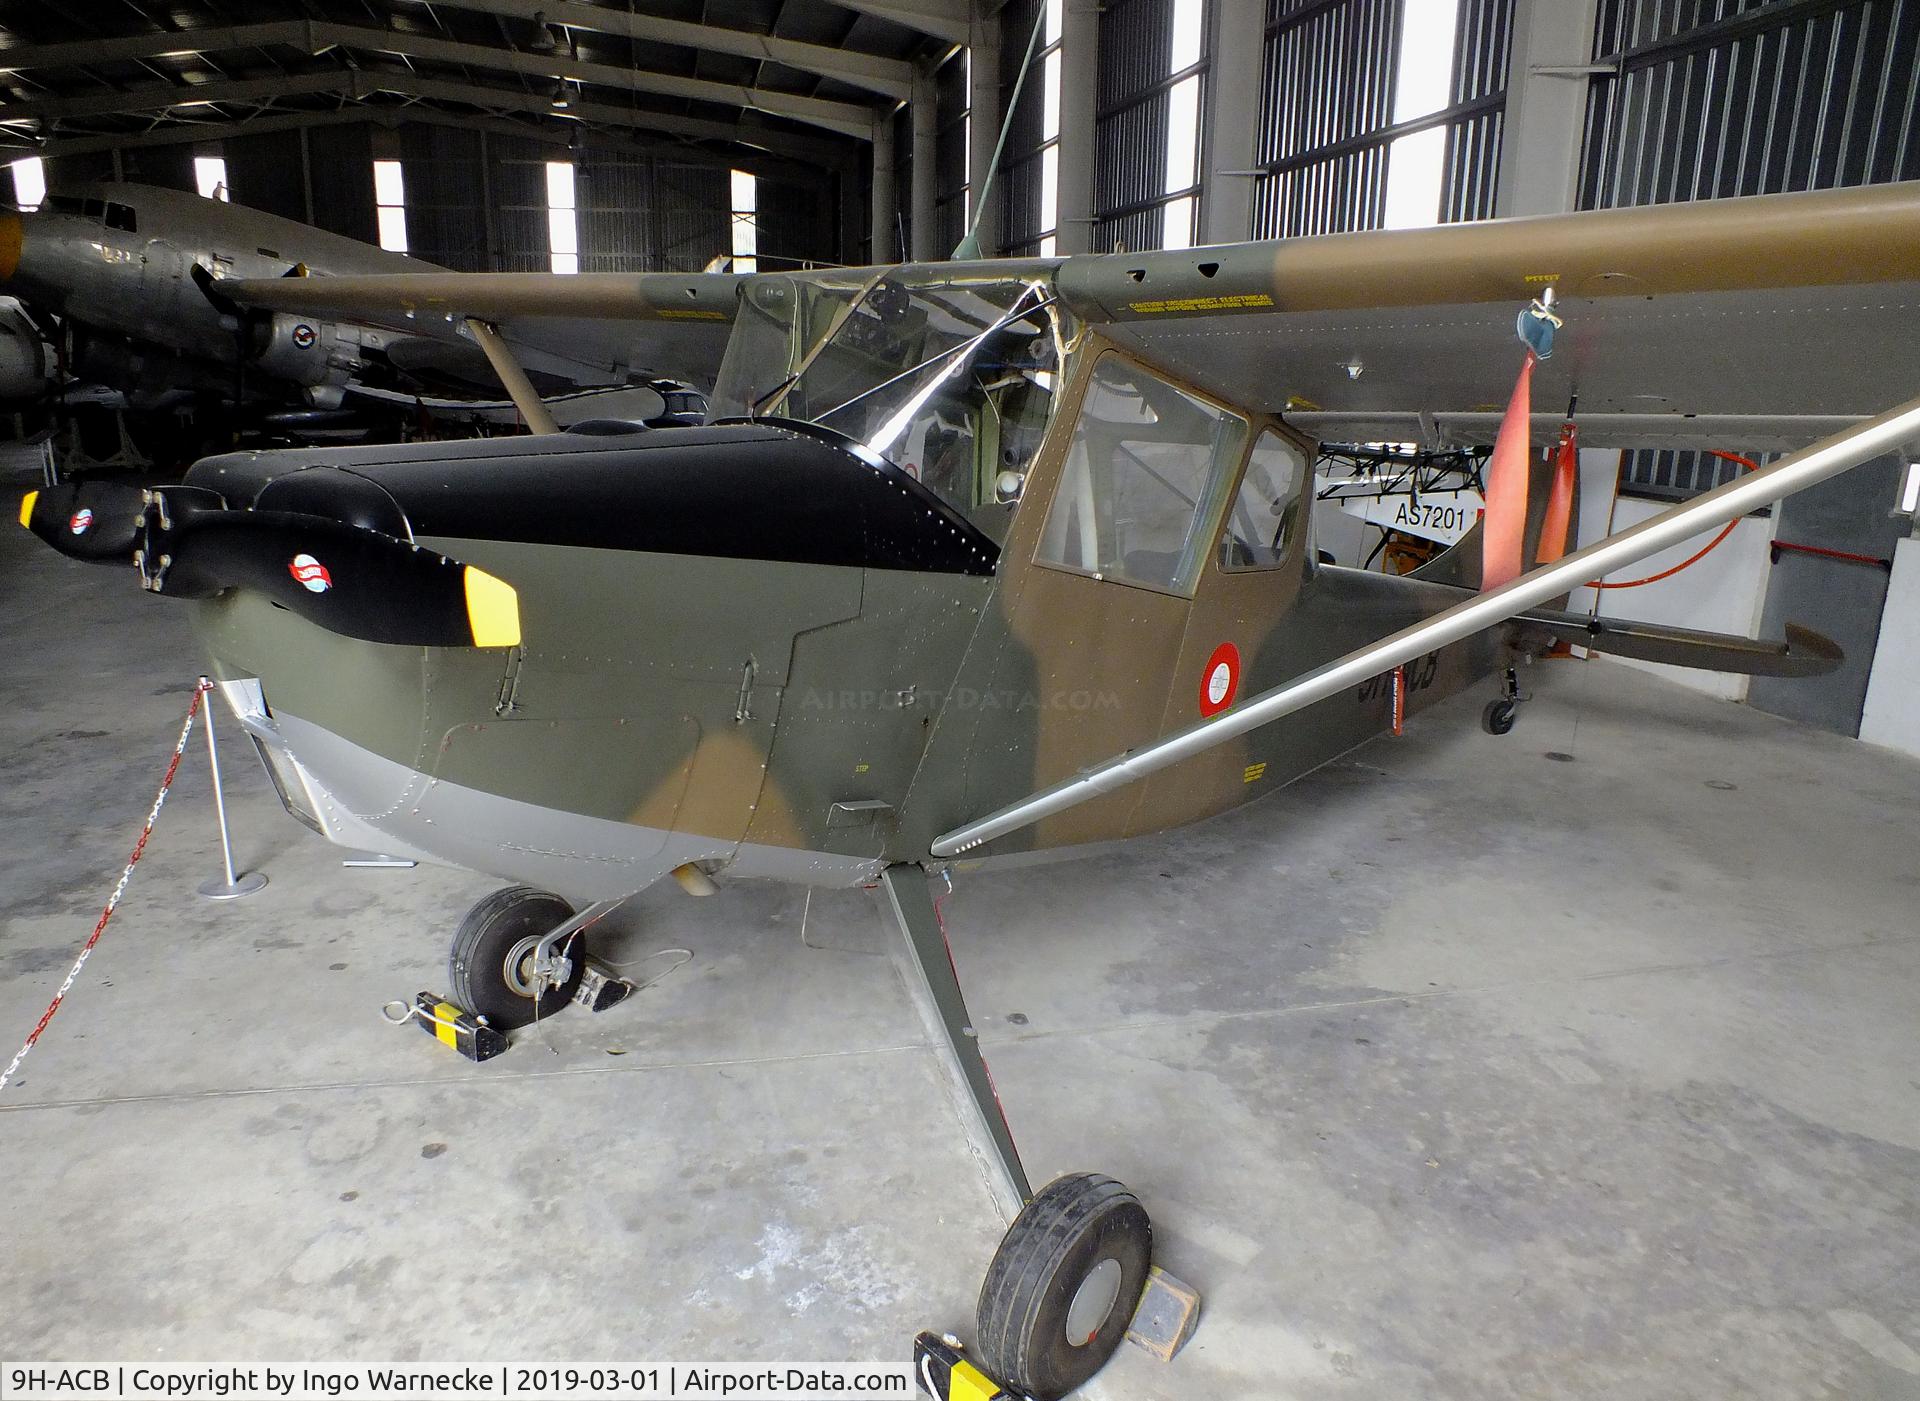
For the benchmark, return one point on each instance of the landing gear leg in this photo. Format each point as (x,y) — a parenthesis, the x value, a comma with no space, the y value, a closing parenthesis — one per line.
(935,986)
(1064,1284)
(1498,716)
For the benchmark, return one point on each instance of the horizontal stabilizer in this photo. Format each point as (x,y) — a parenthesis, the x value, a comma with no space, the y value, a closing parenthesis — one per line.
(1803,652)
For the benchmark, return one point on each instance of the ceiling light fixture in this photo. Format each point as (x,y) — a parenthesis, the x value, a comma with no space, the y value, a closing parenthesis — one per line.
(561,99)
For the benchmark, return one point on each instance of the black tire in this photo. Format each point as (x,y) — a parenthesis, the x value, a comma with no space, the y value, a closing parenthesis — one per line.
(1497,718)
(1072,1227)
(488,969)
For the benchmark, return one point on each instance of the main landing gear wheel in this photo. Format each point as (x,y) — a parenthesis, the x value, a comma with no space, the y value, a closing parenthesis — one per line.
(1063,1285)
(491,969)
(1497,718)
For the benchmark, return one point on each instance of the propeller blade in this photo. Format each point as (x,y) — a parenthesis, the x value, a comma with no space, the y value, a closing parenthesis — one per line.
(346,578)
(94,521)
(350,580)
(1503,538)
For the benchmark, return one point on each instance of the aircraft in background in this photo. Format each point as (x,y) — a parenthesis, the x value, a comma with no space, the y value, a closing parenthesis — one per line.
(984,562)
(119,301)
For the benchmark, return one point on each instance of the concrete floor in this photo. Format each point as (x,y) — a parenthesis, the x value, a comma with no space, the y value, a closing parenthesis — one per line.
(1456,1071)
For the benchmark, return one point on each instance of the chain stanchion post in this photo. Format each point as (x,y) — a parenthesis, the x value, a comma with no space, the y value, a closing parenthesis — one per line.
(228,885)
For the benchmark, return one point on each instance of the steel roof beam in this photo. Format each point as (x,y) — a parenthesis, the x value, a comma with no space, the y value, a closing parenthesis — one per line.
(160,97)
(845,118)
(891,77)
(942,20)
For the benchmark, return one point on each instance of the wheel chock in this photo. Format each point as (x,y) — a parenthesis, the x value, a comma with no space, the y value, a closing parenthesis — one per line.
(456,1027)
(944,1373)
(601,988)
(1169,1311)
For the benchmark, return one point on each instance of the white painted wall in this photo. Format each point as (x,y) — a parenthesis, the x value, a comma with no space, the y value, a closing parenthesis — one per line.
(1725,592)
(1892,716)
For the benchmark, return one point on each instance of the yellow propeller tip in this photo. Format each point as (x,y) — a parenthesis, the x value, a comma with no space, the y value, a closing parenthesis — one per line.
(493,610)
(26,507)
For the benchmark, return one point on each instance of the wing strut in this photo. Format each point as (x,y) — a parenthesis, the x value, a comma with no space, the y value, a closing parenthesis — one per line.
(1824,459)
(512,378)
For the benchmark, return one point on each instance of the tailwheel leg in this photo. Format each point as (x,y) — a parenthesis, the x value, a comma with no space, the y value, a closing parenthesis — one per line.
(1498,716)
(1064,1284)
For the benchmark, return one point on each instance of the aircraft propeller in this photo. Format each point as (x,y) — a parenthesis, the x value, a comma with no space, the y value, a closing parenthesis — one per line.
(357,582)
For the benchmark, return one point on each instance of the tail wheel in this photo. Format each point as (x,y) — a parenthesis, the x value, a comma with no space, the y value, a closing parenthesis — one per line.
(1063,1285)
(491,969)
(1497,717)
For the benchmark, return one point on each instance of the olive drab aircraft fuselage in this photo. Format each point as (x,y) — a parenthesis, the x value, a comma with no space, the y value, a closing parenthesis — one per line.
(802,644)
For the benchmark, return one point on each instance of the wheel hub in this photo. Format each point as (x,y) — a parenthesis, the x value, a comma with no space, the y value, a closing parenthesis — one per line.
(524,974)
(1092,1302)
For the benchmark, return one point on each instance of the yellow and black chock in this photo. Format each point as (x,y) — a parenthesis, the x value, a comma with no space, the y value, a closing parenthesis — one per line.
(458,1028)
(946,1375)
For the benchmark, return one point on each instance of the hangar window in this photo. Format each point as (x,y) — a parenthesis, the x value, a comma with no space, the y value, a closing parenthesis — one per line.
(29,182)
(1266,510)
(1183,126)
(1422,85)
(1050,126)
(746,222)
(210,177)
(1139,495)
(390,205)
(563,228)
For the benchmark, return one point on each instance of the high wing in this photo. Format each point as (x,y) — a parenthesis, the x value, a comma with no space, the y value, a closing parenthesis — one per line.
(1763,322)
(667,324)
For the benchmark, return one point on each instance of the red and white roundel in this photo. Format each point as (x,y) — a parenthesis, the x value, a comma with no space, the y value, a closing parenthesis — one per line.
(311,573)
(1220,681)
(81,521)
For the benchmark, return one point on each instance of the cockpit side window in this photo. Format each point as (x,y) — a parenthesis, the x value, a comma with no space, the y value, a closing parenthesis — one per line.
(1266,510)
(1142,485)
(120,216)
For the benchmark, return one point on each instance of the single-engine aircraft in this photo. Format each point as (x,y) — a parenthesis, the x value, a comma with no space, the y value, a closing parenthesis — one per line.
(985,562)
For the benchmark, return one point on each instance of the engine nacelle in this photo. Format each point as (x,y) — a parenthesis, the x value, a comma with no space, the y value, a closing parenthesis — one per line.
(303,351)
(26,365)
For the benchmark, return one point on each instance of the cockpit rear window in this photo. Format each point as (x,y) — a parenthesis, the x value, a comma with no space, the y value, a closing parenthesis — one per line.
(120,216)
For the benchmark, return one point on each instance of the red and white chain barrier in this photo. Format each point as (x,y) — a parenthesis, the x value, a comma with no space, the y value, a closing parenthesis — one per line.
(113,902)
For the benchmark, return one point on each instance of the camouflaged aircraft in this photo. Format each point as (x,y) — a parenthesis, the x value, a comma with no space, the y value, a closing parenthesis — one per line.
(983,562)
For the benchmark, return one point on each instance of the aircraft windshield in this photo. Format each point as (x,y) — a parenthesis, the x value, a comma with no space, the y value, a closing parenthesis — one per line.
(950,379)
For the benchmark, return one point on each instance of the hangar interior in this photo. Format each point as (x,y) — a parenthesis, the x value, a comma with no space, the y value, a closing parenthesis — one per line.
(1571,1062)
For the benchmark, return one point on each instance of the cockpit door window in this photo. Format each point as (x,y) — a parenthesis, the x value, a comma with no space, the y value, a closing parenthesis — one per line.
(1145,472)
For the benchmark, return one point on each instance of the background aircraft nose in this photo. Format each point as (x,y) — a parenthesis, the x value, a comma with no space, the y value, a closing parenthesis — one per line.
(10,241)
